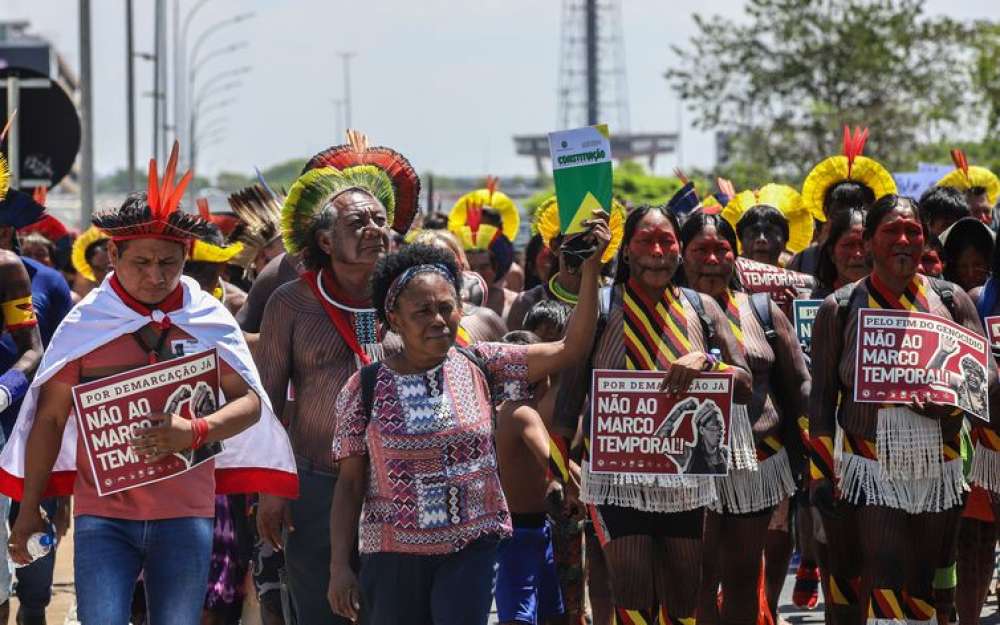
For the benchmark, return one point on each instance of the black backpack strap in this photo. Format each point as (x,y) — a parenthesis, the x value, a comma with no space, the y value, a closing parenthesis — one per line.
(369,374)
(845,297)
(479,362)
(707,328)
(946,291)
(761,303)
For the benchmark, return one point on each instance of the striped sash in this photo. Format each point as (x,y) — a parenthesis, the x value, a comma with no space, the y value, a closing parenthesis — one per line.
(655,332)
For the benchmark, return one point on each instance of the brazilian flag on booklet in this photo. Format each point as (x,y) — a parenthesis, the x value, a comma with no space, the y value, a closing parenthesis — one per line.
(581,169)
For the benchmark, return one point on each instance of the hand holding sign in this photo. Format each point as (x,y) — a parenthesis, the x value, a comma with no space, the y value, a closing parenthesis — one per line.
(168,433)
(682,372)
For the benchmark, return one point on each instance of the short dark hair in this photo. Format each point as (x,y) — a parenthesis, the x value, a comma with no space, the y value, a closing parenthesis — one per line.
(390,266)
(521,337)
(847,194)
(946,202)
(631,225)
(548,311)
(964,234)
(881,209)
(765,214)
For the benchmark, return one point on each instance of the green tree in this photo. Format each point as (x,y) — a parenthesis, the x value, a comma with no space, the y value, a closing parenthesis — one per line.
(788,77)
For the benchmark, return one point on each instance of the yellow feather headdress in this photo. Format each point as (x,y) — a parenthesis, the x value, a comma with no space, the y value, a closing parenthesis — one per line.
(90,236)
(788,202)
(965,177)
(546,223)
(465,217)
(850,165)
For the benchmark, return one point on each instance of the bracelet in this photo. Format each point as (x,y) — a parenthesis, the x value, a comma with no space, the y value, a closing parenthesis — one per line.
(199,432)
(711,362)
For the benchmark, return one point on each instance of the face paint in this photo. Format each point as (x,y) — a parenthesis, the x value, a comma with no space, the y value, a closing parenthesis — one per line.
(709,261)
(763,242)
(898,243)
(653,252)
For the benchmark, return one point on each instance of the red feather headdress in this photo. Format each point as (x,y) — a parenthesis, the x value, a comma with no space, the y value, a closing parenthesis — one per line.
(356,152)
(159,217)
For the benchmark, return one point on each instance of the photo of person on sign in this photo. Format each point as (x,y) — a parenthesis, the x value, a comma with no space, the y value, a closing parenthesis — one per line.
(705,454)
(969,387)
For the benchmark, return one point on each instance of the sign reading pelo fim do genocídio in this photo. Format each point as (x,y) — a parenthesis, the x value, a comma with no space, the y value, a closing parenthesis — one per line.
(904,355)
(636,428)
(110,410)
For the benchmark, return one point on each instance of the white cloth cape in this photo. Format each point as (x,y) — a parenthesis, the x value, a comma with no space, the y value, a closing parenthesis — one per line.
(259,459)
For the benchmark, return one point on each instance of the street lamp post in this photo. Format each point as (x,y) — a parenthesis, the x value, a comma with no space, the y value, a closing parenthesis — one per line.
(346,58)
(194,124)
(180,60)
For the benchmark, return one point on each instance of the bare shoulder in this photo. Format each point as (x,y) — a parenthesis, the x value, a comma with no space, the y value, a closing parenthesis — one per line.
(9,259)
(484,324)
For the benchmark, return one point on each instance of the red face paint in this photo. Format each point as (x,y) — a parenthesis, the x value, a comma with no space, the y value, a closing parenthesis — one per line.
(654,241)
(898,235)
(709,262)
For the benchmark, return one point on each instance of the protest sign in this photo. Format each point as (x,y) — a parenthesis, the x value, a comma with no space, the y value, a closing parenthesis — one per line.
(904,355)
(581,170)
(636,428)
(109,411)
(804,315)
(993,332)
(780,283)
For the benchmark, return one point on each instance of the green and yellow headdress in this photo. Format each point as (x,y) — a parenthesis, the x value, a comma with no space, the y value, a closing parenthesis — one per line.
(380,171)
(89,237)
(965,177)
(849,166)
(788,202)
(546,223)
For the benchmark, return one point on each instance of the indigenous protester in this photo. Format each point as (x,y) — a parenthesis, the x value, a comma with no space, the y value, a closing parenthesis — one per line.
(967,251)
(931,264)
(259,227)
(230,558)
(899,472)
(319,329)
(547,319)
(90,259)
(564,283)
(20,352)
(538,262)
(651,526)
(207,265)
(137,316)
(977,538)
(51,301)
(770,222)
(486,222)
(36,247)
(980,185)
(940,207)
(765,441)
(837,183)
(426,413)
(527,585)
(842,258)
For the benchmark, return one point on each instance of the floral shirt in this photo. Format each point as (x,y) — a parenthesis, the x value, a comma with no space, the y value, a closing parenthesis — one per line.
(433,485)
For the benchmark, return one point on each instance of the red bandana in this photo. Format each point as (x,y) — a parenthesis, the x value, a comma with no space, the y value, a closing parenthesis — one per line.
(174,301)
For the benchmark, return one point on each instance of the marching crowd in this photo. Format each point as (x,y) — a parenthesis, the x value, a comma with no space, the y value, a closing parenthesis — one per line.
(405,431)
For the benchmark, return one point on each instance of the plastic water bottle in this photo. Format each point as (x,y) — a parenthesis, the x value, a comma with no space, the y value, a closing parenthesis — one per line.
(40,543)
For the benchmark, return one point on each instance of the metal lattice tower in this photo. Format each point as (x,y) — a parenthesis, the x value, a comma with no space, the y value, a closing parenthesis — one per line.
(592,79)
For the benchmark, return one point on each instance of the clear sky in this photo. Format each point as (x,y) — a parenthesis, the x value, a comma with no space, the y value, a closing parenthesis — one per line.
(447,82)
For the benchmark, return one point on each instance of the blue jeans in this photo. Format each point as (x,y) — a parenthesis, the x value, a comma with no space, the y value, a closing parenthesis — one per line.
(172,554)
